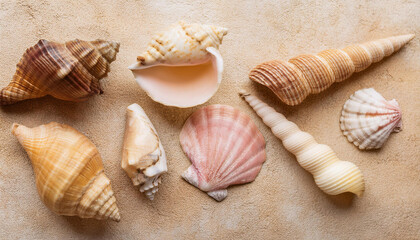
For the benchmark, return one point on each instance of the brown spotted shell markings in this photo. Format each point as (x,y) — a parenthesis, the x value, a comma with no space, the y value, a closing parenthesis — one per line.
(68,170)
(294,80)
(69,71)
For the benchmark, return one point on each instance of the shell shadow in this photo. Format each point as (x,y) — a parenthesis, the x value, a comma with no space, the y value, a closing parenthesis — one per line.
(173,116)
(88,227)
(343,200)
(61,108)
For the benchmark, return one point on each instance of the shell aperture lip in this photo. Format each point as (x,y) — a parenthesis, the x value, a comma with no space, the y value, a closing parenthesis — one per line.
(182,67)
(181,86)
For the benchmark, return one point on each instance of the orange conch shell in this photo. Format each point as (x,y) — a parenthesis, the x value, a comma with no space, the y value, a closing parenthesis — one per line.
(68,170)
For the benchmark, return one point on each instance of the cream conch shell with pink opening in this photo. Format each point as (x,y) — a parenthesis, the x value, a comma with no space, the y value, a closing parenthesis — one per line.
(182,66)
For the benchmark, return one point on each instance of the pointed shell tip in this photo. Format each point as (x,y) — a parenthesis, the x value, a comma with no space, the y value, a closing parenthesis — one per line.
(14,127)
(243,93)
(116,217)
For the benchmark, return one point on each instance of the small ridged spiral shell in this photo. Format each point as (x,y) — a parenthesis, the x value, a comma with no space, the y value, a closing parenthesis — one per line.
(143,158)
(368,119)
(332,175)
(69,71)
(294,80)
(68,170)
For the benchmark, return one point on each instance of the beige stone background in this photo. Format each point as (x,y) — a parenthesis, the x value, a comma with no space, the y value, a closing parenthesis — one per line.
(283,202)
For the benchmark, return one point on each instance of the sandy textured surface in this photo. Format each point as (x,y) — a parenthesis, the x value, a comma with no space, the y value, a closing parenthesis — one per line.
(283,202)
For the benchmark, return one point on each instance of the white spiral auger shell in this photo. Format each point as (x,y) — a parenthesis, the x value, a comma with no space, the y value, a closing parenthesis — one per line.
(332,175)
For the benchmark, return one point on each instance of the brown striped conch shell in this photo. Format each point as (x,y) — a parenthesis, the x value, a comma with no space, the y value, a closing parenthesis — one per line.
(294,80)
(182,66)
(69,71)
(68,170)
(143,158)
(332,175)
(368,119)
(225,148)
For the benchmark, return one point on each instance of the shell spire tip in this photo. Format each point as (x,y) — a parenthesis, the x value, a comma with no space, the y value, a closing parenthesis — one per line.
(242,93)
(116,217)
(411,35)
(14,127)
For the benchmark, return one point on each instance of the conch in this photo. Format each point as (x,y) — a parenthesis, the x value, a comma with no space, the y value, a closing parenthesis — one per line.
(68,170)
(368,119)
(143,158)
(225,148)
(182,67)
(69,71)
(332,175)
(294,80)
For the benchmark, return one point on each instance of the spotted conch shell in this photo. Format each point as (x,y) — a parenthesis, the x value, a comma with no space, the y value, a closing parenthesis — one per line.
(69,71)
(182,66)
(143,159)
(68,170)
(332,175)
(368,119)
(225,148)
(294,80)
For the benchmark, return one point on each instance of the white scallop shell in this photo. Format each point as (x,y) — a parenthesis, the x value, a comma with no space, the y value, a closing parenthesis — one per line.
(368,119)
(143,158)
(182,67)
(225,148)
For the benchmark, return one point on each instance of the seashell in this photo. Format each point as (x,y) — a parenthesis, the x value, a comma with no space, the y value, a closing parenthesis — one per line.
(294,80)
(68,170)
(143,158)
(368,119)
(182,67)
(332,175)
(225,148)
(69,71)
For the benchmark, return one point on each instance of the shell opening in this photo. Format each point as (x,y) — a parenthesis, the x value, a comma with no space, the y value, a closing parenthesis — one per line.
(181,85)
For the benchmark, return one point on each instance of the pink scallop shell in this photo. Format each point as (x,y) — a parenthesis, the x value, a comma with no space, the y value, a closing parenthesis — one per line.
(225,148)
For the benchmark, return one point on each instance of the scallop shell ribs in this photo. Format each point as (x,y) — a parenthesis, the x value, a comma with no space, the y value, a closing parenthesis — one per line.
(68,170)
(225,148)
(368,119)
(69,71)
(294,80)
